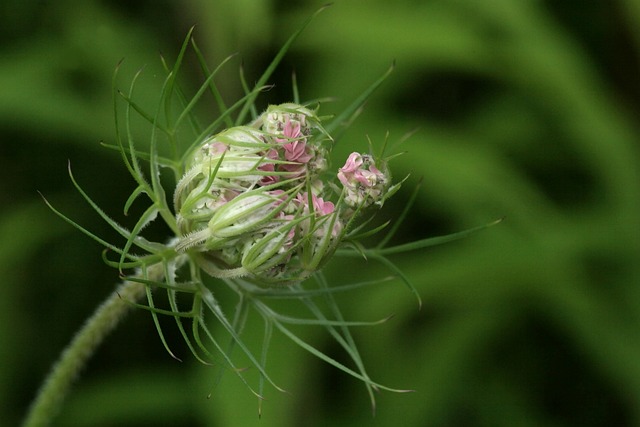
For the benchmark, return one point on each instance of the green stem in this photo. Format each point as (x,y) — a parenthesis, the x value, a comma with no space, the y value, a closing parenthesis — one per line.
(107,316)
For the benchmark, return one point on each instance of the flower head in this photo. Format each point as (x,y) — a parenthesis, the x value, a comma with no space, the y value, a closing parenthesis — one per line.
(364,184)
(253,200)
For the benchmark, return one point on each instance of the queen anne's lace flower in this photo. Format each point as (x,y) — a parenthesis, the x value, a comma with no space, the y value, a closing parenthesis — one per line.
(253,200)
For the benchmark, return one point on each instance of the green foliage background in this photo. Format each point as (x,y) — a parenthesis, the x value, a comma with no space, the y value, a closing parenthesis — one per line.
(524,109)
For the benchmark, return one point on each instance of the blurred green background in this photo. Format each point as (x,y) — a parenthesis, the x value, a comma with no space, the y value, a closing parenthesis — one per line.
(524,109)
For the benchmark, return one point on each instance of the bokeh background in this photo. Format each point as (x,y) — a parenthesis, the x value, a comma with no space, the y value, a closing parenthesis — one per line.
(524,109)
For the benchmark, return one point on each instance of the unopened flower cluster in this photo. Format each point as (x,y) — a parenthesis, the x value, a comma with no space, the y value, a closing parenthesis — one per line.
(257,200)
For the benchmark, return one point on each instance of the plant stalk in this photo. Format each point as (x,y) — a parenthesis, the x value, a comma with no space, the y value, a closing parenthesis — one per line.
(49,399)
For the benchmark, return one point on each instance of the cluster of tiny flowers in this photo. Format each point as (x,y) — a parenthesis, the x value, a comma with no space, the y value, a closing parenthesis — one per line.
(254,201)
(363,182)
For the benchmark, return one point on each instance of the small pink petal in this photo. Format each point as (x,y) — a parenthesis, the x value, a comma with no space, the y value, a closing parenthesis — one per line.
(353,163)
(324,208)
(366,178)
(269,167)
(216,148)
(291,131)
(296,151)
(343,179)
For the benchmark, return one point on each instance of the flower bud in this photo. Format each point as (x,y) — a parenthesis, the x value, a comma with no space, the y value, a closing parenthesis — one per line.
(299,139)
(244,214)
(241,202)
(364,184)
(244,151)
(284,120)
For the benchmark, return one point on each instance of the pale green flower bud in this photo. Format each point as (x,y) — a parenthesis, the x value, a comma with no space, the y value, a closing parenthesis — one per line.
(276,117)
(244,150)
(273,248)
(244,214)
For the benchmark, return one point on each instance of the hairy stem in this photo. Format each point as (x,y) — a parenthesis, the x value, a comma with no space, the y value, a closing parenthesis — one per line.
(49,399)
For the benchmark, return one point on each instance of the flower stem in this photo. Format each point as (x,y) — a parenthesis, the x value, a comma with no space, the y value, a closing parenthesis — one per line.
(49,399)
